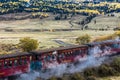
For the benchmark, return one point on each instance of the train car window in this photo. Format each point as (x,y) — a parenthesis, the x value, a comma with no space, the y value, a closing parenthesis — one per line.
(15,62)
(63,56)
(44,58)
(73,54)
(80,51)
(77,52)
(69,53)
(25,61)
(6,64)
(10,63)
(31,58)
(48,57)
(60,55)
(53,56)
(20,62)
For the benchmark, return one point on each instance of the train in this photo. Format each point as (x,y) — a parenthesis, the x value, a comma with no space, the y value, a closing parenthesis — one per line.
(18,63)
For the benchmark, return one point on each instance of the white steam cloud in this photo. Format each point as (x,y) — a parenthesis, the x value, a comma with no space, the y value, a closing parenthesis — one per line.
(29,76)
(67,68)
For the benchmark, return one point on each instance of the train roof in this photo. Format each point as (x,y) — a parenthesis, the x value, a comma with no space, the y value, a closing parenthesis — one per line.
(103,42)
(57,49)
(13,55)
(37,52)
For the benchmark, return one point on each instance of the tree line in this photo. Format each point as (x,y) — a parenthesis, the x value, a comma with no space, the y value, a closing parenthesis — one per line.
(12,6)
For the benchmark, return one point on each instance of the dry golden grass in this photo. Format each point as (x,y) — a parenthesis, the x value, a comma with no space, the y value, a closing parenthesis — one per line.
(46,38)
(35,24)
(104,22)
(110,78)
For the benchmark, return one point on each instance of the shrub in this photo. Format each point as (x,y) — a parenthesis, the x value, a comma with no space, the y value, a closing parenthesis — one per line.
(116,64)
(60,79)
(66,77)
(53,78)
(76,76)
(117,33)
(89,72)
(83,39)
(28,44)
(91,78)
(106,70)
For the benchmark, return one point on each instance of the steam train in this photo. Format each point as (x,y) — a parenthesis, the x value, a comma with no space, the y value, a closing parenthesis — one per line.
(18,63)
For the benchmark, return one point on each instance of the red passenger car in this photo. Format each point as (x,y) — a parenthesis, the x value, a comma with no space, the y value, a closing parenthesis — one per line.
(108,47)
(13,64)
(52,57)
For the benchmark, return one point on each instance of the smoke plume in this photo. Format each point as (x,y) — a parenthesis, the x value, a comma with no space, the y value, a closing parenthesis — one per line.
(67,68)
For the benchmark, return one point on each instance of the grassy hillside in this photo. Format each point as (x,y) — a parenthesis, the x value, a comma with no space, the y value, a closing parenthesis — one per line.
(46,38)
(110,78)
(104,22)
